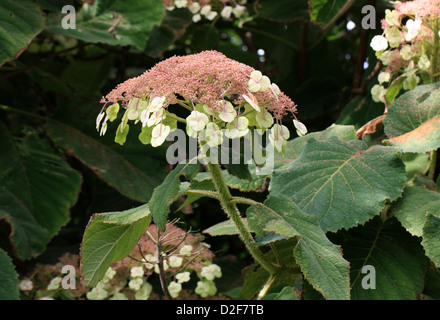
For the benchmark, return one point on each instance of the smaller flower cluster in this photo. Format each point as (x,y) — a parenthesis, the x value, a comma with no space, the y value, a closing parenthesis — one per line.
(405,49)
(207,10)
(225,99)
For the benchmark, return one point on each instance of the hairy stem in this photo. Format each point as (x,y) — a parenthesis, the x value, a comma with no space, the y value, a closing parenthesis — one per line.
(230,208)
(432,164)
(435,51)
(266,286)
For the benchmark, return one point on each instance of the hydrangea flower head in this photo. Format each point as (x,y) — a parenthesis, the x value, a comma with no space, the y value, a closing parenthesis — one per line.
(218,93)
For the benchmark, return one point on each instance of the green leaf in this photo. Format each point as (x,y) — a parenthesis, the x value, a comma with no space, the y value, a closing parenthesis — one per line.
(172,27)
(224,228)
(413,120)
(128,174)
(164,194)
(8,278)
(113,22)
(320,260)
(397,258)
(111,237)
(412,208)
(20,22)
(283,10)
(415,163)
(431,237)
(323,11)
(28,237)
(394,89)
(343,183)
(360,111)
(296,146)
(287,293)
(38,188)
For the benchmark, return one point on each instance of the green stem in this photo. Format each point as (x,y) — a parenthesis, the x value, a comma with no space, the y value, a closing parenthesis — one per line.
(173,116)
(230,208)
(435,52)
(432,164)
(267,286)
(210,194)
(24,113)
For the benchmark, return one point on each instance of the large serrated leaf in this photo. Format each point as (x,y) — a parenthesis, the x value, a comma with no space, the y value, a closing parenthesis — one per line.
(413,120)
(412,208)
(20,22)
(164,194)
(431,238)
(133,169)
(294,147)
(320,260)
(111,237)
(397,258)
(343,183)
(38,188)
(114,22)
(8,278)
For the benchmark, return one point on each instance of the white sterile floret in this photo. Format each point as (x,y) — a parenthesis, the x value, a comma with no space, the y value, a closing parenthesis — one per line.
(97,293)
(104,126)
(175,261)
(301,129)
(252,101)
(275,90)
(98,119)
(110,273)
(226,12)
(54,283)
(136,272)
(379,43)
(174,289)
(237,128)
(186,250)
(384,77)
(264,119)
(155,118)
(392,17)
(406,52)
(145,115)
(211,272)
(194,7)
(211,15)
(413,27)
(393,36)
(212,135)
(196,18)
(159,134)
(278,136)
(180,3)
(118,296)
(183,277)
(378,93)
(26,285)
(258,82)
(135,284)
(206,288)
(228,113)
(205,10)
(197,121)
(144,292)
(156,104)
(238,11)
(424,62)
